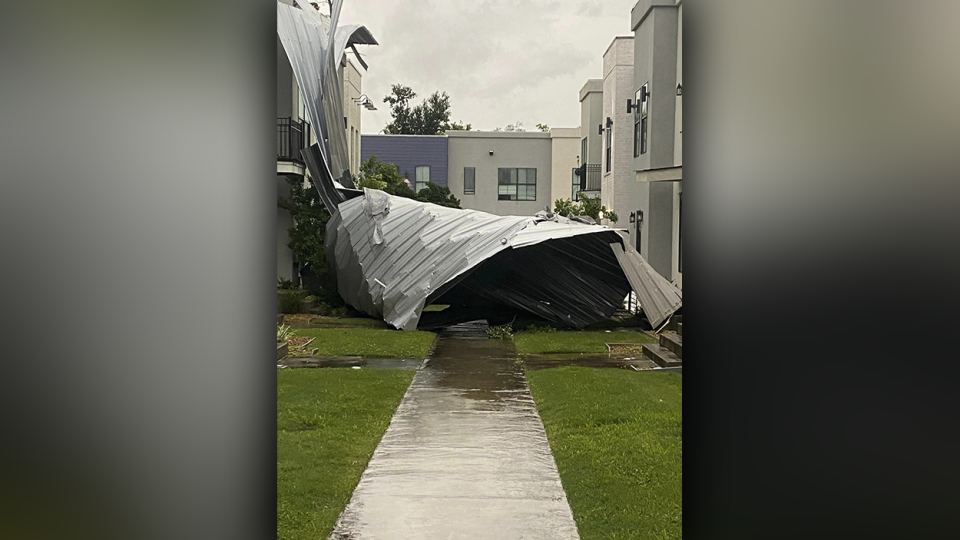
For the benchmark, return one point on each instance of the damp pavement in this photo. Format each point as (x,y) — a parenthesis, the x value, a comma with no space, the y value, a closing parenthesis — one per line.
(465,455)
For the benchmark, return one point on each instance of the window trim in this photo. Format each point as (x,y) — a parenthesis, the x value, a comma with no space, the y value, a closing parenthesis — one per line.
(416,177)
(517,183)
(473,191)
(609,142)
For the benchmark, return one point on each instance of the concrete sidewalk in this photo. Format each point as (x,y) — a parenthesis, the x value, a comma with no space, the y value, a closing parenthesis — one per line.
(465,456)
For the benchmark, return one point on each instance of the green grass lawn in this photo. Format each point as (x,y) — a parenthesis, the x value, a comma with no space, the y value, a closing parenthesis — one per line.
(574,341)
(329,421)
(617,437)
(346,322)
(368,342)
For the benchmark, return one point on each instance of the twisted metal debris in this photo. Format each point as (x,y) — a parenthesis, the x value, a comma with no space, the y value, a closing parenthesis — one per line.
(392,256)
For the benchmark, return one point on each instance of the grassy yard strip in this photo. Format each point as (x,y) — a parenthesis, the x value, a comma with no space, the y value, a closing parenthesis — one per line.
(346,322)
(369,342)
(329,421)
(574,341)
(617,437)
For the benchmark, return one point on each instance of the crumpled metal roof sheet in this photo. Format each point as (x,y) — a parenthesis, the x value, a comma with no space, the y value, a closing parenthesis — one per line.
(393,253)
(658,297)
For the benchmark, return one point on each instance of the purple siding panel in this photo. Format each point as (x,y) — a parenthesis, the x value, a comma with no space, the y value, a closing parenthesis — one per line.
(408,152)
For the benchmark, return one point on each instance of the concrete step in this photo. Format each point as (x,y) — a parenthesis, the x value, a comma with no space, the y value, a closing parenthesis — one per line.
(663,357)
(680,328)
(673,343)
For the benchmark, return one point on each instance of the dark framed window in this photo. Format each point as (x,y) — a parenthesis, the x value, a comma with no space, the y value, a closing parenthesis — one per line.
(469,180)
(609,144)
(516,184)
(640,121)
(643,120)
(423,176)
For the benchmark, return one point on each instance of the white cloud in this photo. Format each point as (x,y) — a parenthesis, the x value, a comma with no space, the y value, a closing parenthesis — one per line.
(501,61)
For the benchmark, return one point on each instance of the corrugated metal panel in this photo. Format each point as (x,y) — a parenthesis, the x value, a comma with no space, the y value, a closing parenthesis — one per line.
(658,297)
(425,246)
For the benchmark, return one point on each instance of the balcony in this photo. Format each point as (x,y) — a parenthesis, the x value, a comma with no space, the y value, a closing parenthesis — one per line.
(587,177)
(292,136)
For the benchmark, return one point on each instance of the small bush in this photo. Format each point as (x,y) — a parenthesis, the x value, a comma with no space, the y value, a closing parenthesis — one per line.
(504,331)
(311,298)
(339,312)
(284,283)
(323,309)
(290,300)
(284,333)
(545,329)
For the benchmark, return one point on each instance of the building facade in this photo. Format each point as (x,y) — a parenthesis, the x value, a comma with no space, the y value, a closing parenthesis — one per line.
(419,158)
(501,172)
(618,187)
(657,140)
(589,177)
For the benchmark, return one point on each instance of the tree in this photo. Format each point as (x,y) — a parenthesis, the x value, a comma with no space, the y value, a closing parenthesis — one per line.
(399,101)
(307,234)
(431,117)
(543,127)
(459,126)
(376,174)
(587,206)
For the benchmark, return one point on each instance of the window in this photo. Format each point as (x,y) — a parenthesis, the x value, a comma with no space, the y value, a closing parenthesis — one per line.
(423,176)
(517,184)
(640,122)
(469,180)
(609,142)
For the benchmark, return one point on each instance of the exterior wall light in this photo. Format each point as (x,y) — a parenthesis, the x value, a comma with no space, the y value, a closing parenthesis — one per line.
(491,152)
(679,89)
(633,217)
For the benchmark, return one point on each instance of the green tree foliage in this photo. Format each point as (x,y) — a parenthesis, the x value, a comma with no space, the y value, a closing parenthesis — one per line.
(308,232)
(512,127)
(543,127)
(376,174)
(431,117)
(586,206)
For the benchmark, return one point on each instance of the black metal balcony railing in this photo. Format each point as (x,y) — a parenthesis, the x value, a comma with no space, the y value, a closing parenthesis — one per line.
(588,176)
(292,136)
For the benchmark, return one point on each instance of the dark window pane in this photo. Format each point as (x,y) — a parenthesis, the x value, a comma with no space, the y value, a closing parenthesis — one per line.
(469,180)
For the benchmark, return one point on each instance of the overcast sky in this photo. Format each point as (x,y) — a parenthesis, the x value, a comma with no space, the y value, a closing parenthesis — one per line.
(501,61)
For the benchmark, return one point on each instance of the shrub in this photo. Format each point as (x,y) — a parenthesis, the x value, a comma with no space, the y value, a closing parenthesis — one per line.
(323,309)
(311,298)
(284,283)
(284,333)
(534,329)
(339,312)
(504,331)
(290,300)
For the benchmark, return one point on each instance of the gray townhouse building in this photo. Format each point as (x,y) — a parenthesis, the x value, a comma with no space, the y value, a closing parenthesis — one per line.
(657,140)
(631,142)
(500,172)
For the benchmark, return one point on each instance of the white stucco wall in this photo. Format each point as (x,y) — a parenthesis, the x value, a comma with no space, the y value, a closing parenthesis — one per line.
(565,154)
(619,190)
(352,90)
(510,149)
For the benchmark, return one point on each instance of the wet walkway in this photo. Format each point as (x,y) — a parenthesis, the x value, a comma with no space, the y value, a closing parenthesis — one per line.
(465,455)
